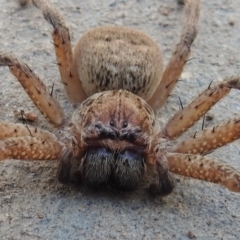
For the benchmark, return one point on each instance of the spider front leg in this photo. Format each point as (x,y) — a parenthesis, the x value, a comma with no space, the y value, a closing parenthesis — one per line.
(18,141)
(35,88)
(23,142)
(205,141)
(64,54)
(179,56)
(207,169)
(186,117)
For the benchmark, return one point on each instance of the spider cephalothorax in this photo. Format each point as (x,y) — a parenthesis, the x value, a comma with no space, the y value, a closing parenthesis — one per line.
(114,141)
(116,82)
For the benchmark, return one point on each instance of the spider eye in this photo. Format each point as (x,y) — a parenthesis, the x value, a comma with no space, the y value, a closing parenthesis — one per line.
(112,123)
(98,126)
(125,124)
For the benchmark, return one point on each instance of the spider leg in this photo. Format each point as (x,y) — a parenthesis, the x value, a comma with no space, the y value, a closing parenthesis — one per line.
(64,54)
(35,89)
(207,169)
(8,130)
(18,141)
(209,139)
(179,56)
(186,117)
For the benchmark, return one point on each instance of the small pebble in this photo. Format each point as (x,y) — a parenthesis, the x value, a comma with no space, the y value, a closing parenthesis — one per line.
(23,2)
(191,235)
(209,117)
(181,2)
(22,115)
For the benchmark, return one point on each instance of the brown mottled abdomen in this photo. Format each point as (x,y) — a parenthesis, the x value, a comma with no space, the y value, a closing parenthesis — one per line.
(113,58)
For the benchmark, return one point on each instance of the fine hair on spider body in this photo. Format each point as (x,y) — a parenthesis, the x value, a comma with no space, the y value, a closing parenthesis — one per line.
(116,82)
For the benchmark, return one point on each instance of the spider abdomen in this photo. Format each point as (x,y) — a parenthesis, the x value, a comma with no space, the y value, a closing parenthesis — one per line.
(112,58)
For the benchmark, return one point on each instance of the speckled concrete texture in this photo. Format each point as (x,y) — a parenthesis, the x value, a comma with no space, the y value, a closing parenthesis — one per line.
(33,205)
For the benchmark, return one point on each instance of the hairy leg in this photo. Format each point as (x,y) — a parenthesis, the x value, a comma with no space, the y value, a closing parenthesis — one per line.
(203,168)
(186,117)
(35,89)
(63,50)
(18,141)
(179,56)
(211,138)
(8,130)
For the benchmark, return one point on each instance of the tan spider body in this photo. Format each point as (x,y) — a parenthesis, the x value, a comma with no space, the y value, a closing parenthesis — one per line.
(116,82)
(134,61)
